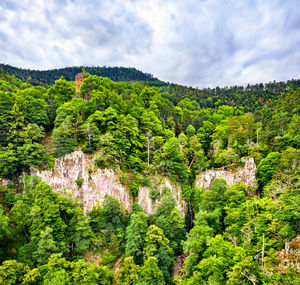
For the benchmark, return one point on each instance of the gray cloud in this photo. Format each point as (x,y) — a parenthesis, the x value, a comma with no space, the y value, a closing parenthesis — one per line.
(199,43)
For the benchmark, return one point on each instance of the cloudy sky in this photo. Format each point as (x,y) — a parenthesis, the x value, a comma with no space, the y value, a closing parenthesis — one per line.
(192,42)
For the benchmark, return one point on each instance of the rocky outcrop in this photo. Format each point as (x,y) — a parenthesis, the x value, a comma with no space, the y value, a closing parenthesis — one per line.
(179,265)
(290,256)
(245,174)
(76,175)
(95,181)
(160,183)
(78,81)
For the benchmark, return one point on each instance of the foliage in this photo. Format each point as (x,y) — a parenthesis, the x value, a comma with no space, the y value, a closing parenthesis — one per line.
(157,245)
(145,129)
(135,236)
(21,151)
(129,272)
(169,219)
(51,223)
(49,76)
(170,161)
(154,194)
(151,272)
(79,182)
(266,168)
(109,223)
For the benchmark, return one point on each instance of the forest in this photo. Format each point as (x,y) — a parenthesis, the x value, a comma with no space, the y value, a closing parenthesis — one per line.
(236,234)
(48,77)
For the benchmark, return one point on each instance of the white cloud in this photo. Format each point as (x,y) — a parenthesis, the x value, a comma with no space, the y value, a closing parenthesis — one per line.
(199,43)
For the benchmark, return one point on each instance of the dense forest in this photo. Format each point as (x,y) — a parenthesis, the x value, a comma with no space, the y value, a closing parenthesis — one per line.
(238,234)
(250,97)
(48,77)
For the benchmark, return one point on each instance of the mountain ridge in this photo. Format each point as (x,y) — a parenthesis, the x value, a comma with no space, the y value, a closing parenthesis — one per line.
(251,97)
(49,76)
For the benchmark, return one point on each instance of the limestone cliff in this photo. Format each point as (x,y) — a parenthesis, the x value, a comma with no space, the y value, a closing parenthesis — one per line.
(244,174)
(160,183)
(98,182)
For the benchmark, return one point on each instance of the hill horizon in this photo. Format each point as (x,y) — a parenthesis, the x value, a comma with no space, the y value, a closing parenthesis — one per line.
(108,71)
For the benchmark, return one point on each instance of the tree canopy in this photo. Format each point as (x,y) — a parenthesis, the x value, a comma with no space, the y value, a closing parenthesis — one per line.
(141,129)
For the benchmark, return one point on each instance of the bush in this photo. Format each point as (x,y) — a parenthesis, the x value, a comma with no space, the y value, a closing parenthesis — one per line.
(166,190)
(79,182)
(134,188)
(100,162)
(154,194)
(187,192)
(266,168)
(108,259)
(145,182)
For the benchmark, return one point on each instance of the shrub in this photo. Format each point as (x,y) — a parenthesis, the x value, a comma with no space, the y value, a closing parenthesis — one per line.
(154,194)
(79,182)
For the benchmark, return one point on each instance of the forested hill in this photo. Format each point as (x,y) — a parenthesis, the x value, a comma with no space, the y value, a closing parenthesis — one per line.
(48,77)
(251,97)
(239,234)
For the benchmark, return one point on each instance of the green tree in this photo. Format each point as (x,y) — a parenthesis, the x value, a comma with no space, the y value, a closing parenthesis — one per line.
(151,272)
(63,138)
(12,272)
(235,197)
(214,198)
(78,110)
(110,222)
(87,273)
(6,104)
(49,222)
(45,246)
(196,242)
(80,232)
(57,277)
(204,134)
(32,102)
(129,272)
(171,161)
(135,236)
(168,218)
(266,168)
(219,259)
(190,131)
(157,245)
(62,91)
(243,272)
(89,134)
(23,150)
(194,154)
(5,233)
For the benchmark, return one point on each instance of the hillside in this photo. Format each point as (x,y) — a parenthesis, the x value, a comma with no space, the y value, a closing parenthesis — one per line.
(48,77)
(230,164)
(251,97)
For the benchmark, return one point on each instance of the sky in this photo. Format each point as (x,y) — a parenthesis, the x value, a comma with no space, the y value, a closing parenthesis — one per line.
(191,42)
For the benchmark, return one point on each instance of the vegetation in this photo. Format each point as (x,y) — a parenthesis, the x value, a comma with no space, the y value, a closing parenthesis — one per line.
(48,77)
(143,130)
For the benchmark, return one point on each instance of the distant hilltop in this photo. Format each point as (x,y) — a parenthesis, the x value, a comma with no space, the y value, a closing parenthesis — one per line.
(48,77)
(251,97)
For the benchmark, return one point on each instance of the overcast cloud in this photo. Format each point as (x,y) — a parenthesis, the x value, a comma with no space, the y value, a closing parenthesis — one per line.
(200,43)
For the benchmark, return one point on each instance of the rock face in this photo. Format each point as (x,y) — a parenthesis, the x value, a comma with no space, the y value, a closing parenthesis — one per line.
(160,183)
(96,183)
(244,174)
(78,81)
(290,256)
